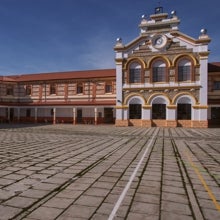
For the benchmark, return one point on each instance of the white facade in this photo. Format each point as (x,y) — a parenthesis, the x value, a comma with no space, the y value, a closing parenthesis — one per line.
(162,70)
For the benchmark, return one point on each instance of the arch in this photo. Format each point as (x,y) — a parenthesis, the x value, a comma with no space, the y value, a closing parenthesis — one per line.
(186,56)
(184,105)
(159,100)
(135,70)
(184,97)
(184,68)
(155,97)
(135,60)
(135,104)
(134,96)
(159,66)
(154,58)
(159,105)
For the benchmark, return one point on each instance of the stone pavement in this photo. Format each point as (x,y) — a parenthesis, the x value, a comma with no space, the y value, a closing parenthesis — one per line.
(81,172)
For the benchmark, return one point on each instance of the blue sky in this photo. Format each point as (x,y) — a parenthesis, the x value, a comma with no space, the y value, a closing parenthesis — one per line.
(62,35)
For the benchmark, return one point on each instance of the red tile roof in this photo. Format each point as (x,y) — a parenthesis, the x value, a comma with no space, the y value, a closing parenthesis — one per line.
(86,74)
(6,79)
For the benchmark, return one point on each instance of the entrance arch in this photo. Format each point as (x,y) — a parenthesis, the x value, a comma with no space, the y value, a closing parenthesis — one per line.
(184,108)
(159,104)
(135,108)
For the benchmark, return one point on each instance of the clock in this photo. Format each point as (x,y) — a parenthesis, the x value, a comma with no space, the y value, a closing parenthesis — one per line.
(159,41)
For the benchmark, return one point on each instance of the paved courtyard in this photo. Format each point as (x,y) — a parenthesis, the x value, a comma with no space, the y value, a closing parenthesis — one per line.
(68,172)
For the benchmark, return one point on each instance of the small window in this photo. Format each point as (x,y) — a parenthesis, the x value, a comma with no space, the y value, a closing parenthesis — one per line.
(52,89)
(28,90)
(108,88)
(9,90)
(217,85)
(80,88)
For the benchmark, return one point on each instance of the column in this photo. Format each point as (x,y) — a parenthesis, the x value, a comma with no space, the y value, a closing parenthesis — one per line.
(74,116)
(171,116)
(96,114)
(54,116)
(146,116)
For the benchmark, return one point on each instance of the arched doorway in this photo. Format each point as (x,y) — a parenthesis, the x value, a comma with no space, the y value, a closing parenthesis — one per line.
(159,111)
(135,108)
(159,108)
(184,108)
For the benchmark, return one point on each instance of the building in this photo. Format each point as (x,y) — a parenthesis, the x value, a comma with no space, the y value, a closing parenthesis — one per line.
(162,75)
(162,78)
(69,97)
(214,94)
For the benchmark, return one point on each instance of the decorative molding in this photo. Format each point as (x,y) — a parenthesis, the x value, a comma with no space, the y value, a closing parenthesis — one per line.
(121,107)
(171,106)
(146,106)
(200,107)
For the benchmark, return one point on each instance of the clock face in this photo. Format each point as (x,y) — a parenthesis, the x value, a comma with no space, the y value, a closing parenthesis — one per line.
(159,41)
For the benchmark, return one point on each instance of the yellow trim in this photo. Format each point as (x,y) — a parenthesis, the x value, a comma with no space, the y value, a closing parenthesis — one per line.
(195,62)
(134,59)
(121,107)
(209,191)
(204,55)
(200,107)
(146,106)
(158,94)
(182,94)
(163,57)
(171,106)
(134,94)
(161,88)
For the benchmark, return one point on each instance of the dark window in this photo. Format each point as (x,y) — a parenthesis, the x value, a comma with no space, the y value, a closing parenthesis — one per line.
(9,90)
(135,76)
(159,74)
(184,111)
(159,111)
(215,113)
(52,89)
(28,90)
(28,113)
(79,88)
(184,73)
(217,85)
(135,111)
(108,88)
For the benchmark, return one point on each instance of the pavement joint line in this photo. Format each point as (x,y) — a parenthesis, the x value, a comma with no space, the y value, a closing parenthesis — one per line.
(133,175)
(209,191)
(196,209)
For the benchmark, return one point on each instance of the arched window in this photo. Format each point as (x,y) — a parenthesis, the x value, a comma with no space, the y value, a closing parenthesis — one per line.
(184,70)
(135,73)
(159,71)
